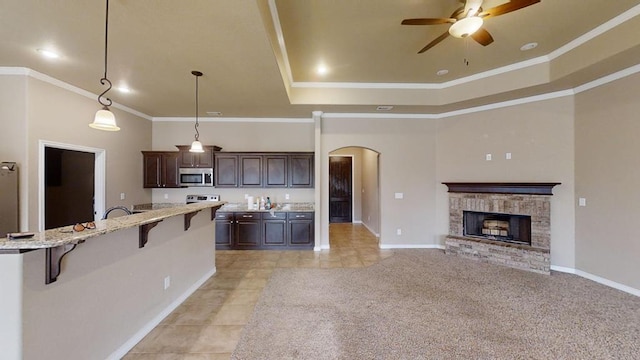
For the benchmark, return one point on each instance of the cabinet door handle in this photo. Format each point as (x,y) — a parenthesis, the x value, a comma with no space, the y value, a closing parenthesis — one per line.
(299,216)
(247,216)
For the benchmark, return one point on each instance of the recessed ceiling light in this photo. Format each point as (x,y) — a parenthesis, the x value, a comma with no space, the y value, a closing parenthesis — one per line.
(48,53)
(442,72)
(214,113)
(529,46)
(322,70)
(384,108)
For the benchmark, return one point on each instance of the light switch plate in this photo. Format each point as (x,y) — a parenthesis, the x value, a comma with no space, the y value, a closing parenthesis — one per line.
(507,156)
(582,202)
(399,195)
(488,157)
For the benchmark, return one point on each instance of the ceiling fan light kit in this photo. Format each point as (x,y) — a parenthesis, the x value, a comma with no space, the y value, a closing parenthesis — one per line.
(465,27)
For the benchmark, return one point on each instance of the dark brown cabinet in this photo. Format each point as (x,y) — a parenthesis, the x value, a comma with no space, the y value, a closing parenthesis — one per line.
(226,170)
(301,171)
(301,229)
(160,169)
(263,230)
(270,170)
(224,230)
(274,229)
(276,171)
(196,160)
(250,170)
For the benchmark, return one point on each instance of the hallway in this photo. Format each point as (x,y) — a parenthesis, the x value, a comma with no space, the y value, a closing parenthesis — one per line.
(209,323)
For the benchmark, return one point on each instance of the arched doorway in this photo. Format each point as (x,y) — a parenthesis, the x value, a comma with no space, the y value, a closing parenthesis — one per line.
(354,187)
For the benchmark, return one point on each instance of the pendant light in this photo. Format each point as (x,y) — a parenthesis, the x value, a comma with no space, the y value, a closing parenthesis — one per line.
(104,119)
(196,145)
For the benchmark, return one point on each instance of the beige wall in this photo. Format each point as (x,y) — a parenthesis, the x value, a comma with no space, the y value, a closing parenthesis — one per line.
(371,191)
(13,132)
(608,176)
(407,165)
(539,137)
(236,136)
(58,115)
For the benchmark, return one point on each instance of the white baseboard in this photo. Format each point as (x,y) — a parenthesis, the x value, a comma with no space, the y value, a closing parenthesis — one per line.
(411,246)
(563,269)
(357,221)
(598,279)
(607,282)
(371,230)
(127,346)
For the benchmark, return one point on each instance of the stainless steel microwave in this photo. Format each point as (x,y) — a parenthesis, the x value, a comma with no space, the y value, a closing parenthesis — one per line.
(196,176)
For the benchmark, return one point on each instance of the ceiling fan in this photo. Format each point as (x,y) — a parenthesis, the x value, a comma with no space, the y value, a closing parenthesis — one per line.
(468,19)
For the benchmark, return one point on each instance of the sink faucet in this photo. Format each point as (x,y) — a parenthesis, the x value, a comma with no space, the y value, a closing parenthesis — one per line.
(109,210)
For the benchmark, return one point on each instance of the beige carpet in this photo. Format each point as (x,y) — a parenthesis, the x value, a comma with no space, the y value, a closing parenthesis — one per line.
(423,304)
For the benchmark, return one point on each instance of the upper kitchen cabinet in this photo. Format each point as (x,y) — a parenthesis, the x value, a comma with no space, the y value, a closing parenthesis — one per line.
(301,170)
(238,170)
(271,170)
(226,170)
(275,170)
(161,169)
(197,160)
(250,170)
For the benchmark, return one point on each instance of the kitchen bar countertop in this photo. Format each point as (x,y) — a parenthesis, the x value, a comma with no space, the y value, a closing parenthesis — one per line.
(287,207)
(65,235)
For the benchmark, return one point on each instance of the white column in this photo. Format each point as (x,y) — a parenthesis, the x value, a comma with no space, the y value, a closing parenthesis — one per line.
(317,119)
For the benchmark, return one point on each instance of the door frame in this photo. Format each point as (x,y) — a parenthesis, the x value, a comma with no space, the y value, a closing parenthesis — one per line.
(352,184)
(99,186)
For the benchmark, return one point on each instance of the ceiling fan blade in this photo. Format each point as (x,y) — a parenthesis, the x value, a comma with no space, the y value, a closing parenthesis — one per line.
(434,42)
(512,5)
(434,21)
(482,36)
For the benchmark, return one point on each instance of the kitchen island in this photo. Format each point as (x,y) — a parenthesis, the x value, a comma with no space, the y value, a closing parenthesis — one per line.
(95,293)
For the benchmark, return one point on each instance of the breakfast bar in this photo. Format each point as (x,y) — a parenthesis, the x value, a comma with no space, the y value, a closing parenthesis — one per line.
(58,284)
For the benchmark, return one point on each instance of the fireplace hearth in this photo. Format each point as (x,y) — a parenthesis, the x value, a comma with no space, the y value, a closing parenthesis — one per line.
(501,223)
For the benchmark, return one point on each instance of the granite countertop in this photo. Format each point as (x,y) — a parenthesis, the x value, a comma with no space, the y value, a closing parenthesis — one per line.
(286,207)
(65,235)
(153,206)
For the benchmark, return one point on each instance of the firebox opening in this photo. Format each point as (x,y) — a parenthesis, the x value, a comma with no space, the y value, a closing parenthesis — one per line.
(500,227)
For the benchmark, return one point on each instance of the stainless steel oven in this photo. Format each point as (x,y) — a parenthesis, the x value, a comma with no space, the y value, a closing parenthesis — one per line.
(196,176)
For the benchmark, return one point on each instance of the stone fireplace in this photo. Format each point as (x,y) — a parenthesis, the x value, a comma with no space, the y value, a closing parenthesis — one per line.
(501,223)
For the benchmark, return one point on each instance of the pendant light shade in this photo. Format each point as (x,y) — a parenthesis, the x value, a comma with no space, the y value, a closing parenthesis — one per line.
(196,145)
(104,119)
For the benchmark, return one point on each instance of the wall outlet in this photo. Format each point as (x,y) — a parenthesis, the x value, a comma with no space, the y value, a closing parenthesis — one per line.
(166,196)
(582,202)
(398,231)
(122,196)
(507,156)
(488,157)
(167,282)
(286,196)
(399,195)
(246,196)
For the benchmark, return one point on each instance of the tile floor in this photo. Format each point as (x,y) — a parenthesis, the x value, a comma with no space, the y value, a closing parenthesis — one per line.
(209,323)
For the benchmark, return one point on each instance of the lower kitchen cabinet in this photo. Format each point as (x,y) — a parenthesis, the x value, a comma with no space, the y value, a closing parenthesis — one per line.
(274,229)
(224,230)
(248,230)
(263,230)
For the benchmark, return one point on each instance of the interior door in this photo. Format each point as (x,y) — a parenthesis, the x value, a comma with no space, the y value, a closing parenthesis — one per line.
(69,187)
(340,196)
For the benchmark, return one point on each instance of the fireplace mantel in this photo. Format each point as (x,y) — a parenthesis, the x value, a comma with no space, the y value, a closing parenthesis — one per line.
(501,188)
